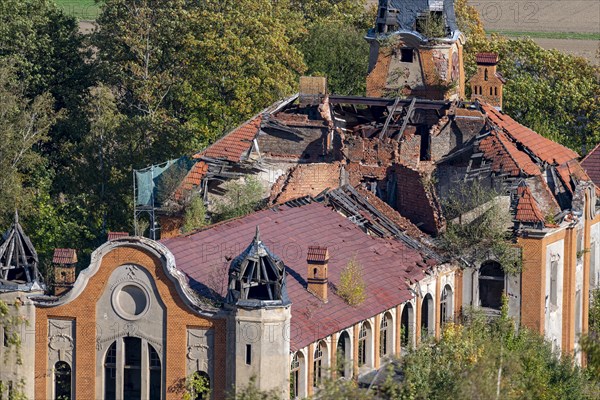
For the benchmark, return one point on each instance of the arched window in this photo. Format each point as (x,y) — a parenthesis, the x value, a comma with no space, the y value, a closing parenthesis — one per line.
(344,354)
(385,336)
(446,305)
(132,368)
(318,363)
(406,325)
(202,385)
(485,75)
(125,358)
(294,376)
(364,342)
(62,381)
(110,373)
(427,316)
(155,373)
(491,285)
(495,91)
(491,91)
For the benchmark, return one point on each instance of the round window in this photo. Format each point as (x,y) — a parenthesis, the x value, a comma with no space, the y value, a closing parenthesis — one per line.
(130,301)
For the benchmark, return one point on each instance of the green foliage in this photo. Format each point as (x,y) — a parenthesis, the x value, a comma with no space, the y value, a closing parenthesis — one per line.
(341,389)
(352,286)
(252,392)
(553,93)
(196,385)
(481,360)
(432,25)
(339,52)
(241,198)
(25,124)
(478,226)
(590,343)
(195,214)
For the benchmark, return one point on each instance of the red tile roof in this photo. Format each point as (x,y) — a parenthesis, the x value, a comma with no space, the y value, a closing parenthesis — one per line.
(505,156)
(288,232)
(527,208)
(192,179)
(545,149)
(64,256)
(317,254)
(116,235)
(486,58)
(591,164)
(233,145)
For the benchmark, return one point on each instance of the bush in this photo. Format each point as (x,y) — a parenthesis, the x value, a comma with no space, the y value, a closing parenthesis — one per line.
(352,285)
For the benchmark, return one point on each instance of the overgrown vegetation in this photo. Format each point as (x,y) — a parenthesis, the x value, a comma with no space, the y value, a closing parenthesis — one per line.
(553,93)
(240,198)
(352,286)
(432,25)
(195,214)
(196,386)
(590,343)
(479,226)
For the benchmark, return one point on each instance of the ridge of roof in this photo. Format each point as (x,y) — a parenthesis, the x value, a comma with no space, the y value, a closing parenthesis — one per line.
(544,148)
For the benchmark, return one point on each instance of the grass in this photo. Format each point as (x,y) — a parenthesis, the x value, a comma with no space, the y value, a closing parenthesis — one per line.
(80,9)
(549,35)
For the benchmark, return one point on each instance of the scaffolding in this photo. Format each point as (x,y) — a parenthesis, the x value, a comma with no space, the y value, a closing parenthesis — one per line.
(147,183)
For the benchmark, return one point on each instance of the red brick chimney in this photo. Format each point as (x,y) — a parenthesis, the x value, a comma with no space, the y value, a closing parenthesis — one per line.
(317,260)
(64,261)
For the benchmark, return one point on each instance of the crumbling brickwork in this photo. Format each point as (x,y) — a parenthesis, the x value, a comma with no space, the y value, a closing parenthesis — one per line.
(416,200)
(305,180)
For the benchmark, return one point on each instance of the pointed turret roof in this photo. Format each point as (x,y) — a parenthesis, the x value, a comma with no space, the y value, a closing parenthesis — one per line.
(18,261)
(257,277)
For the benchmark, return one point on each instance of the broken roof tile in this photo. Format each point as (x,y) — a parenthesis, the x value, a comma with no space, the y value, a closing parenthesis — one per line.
(543,148)
(527,208)
(233,145)
(116,235)
(505,156)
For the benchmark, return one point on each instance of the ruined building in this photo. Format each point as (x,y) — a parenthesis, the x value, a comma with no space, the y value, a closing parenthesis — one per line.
(345,180)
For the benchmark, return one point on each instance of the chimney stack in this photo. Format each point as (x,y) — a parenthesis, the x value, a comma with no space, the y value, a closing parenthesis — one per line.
(64,261)
(317,260)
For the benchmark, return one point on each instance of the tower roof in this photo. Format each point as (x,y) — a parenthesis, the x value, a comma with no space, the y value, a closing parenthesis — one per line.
(257,277)
(18,261)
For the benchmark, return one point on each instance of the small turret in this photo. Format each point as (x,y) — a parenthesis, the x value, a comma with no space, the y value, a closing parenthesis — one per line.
(18,261)
(257,277)
(487,83)
(259,320)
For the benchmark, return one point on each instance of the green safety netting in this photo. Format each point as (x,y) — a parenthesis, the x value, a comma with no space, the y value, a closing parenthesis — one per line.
(154,184)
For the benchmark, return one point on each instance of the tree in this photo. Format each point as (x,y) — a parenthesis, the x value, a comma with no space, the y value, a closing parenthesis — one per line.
(241,198)
(243,61)
(25,125)
(339,52)
(477,225)
(195,214)
(483,360)
(553,93)
(352,285)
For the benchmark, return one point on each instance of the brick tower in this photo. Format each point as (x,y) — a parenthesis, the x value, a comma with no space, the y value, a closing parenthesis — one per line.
(487,83)
(416,51)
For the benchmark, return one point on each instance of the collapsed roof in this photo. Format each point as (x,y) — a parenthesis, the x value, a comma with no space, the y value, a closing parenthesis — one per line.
(407,152)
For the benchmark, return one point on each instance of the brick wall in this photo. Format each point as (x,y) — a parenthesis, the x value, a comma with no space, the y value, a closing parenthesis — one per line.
(83,311)
(416,202)
(305,180)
